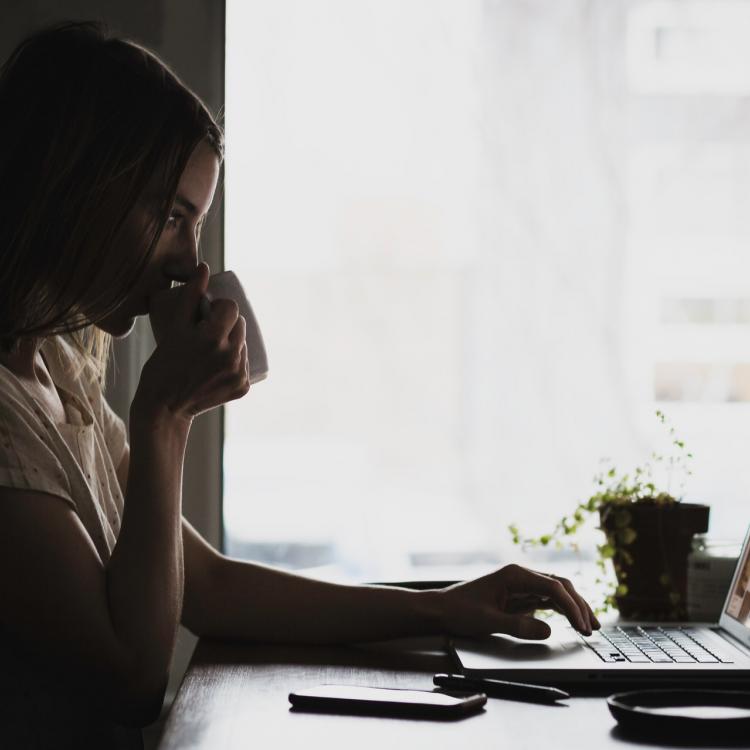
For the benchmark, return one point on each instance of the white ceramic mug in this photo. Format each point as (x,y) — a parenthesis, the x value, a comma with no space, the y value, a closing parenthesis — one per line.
(226,285)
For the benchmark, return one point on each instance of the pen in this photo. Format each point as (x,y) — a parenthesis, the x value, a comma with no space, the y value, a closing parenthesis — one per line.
(519,691)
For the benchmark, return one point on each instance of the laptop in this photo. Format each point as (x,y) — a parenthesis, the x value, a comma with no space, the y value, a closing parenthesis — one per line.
(626,654)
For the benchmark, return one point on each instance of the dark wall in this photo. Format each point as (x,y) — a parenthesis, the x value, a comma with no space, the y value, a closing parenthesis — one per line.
(141,21)
(187,34)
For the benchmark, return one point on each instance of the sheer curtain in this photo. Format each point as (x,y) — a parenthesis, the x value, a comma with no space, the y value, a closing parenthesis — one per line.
(437,211)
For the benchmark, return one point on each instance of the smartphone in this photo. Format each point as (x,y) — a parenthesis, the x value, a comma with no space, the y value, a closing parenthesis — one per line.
(375,701)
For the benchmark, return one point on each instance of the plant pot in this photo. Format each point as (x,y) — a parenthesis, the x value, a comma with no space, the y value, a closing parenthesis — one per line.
(650,543)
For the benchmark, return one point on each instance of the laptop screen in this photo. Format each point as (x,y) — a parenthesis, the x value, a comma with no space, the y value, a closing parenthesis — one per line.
(738,603)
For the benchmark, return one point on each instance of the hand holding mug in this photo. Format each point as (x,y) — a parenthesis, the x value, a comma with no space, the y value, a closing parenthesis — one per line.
(201,358)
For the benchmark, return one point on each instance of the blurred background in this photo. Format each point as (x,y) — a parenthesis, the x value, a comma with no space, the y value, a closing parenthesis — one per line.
(485,241)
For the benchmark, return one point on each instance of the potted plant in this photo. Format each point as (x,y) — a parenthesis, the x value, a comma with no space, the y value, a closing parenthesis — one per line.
(648,534)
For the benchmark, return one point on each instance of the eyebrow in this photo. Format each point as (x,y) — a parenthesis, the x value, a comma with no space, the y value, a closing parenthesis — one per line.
(185,203)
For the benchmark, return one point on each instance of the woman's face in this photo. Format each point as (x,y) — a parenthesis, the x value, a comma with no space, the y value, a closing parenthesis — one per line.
(176,254)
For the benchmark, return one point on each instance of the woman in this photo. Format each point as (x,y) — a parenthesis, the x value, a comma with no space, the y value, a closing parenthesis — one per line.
(108,166)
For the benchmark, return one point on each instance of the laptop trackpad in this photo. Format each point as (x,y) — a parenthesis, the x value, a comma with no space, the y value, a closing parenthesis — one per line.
(514,649)
(486,653)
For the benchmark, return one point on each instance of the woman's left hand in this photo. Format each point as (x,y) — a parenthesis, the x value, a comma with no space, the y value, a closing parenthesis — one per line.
(504,602)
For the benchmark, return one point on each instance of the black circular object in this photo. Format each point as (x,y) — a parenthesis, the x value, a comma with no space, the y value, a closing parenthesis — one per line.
(681,713)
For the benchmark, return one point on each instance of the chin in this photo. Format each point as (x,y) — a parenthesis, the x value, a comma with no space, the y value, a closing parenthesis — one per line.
(116,327)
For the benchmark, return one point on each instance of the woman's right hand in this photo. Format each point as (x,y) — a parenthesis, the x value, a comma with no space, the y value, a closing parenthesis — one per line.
(199,363)
(505,601)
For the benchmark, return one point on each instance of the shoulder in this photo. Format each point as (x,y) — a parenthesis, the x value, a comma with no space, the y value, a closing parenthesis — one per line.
(29,452)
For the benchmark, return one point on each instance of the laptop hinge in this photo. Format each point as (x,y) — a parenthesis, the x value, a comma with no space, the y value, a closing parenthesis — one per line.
(736,642)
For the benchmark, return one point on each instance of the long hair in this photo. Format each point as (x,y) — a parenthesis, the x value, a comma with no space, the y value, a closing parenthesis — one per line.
(95,132)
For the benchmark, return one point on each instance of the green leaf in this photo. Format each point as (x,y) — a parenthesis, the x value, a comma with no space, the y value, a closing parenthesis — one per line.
(515,533)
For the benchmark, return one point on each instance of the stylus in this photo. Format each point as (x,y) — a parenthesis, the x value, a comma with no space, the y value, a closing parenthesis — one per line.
(518,691)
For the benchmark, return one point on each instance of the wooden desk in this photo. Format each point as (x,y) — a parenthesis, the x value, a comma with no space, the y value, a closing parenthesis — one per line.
(235,696)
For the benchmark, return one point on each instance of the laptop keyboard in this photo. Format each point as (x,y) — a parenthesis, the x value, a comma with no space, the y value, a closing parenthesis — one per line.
(664,645)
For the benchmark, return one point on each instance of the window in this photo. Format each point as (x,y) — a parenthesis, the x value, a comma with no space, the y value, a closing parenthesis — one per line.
(484,244)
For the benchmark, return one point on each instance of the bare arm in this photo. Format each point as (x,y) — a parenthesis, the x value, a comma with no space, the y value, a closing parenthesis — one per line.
(262,604)
(226,598)
(235,599)
(242,600)
(144,576)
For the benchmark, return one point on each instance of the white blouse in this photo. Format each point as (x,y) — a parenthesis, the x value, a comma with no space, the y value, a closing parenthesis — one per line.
(76,460)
